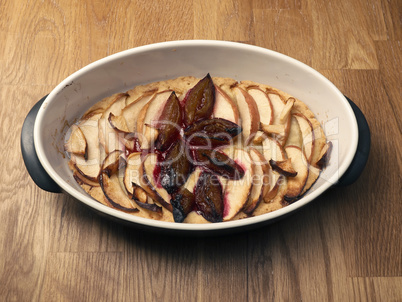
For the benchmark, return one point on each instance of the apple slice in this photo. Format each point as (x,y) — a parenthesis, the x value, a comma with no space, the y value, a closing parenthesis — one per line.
(276,202)
(107,135)
(307,133)
(295,137)
(283,167)
(324,155)
(249,115)
(237,192)
(118,123)
(110,183)
(141,198)
(279,198)
(132,184)
(260,181)
(150,113)
(97,193)
(131,112)
(148,172)
(99,107)
(113,162)
(77,142)
(150,134)
(127,138)
(258,138)
(273,190)
(116,106)
(284,116)
(278,106)
(89,167)
(319,142)
(300,165)
(272,150)
(132,172)
(115,194)
(81,179)
(275,130)
(225,107)
(264,105)
(314,172)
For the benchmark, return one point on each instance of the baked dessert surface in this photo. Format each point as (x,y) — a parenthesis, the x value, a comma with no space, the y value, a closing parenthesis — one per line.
(198,150)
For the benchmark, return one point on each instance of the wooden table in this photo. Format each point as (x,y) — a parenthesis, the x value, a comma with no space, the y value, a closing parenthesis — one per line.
(345,246)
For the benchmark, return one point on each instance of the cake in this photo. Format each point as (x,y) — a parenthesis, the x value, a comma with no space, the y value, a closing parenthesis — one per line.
(197,150)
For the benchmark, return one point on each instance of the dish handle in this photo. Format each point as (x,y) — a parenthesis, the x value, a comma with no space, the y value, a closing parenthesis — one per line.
(363,149)
(31,160)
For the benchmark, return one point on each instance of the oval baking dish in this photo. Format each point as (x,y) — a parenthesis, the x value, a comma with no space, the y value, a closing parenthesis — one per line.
(44,130)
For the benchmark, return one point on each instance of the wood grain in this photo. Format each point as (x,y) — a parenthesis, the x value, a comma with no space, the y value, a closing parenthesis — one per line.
(270,23)
(345,246)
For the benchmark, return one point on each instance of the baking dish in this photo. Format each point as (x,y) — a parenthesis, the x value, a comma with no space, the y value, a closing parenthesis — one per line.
(43,133)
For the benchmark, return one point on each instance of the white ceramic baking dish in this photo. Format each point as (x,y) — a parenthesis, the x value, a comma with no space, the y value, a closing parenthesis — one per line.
(43,149)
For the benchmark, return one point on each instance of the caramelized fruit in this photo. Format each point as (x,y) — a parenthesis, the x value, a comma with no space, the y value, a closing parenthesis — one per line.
(209,197)
(183,203)
(169,122)
(219,163)
(212,132)
(175,167)
(199,102)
